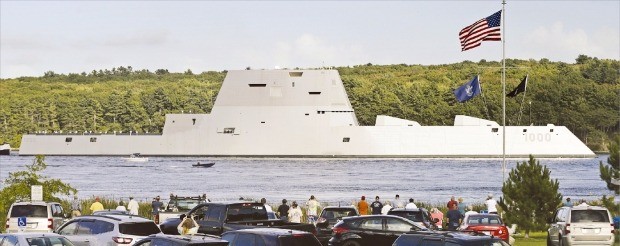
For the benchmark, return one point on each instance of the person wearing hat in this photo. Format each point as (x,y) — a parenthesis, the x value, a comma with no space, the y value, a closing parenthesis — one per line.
(491,204)
(283,210)
(96,206)
(295,213)
(568,203)
(133,206)
(362,206)
(76,207)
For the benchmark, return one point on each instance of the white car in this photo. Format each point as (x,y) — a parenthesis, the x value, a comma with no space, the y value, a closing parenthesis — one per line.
(581,225)
(39,217)
(35,239)
(109,229)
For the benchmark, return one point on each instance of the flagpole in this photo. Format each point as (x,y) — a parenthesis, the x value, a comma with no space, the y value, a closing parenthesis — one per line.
(503,91)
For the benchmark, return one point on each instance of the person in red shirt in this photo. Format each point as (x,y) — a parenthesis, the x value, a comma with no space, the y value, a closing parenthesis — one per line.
(452,202)
(362,206)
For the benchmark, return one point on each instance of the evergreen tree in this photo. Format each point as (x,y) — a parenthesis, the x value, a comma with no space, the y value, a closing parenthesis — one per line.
(530,196)
(610,172)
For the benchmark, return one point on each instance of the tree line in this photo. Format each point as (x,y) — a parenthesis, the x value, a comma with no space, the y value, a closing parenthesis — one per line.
(583,96)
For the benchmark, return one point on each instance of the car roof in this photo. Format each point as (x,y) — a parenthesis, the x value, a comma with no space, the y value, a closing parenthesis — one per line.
(587,207)
(34,203)
(335,207)
(122,218)
(271,231)
(372,216)
(189,238)
(32,234)
(407,210)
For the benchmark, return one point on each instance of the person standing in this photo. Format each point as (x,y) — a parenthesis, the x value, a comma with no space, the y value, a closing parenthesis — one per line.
(438,215)
(386,208)
(491,204)
(398,203)
(568,203)
(461,206)
(188,226)
(133,206)
(411,205)
(283,210)
(76,207)
(376,206)
(96,206)
(313,209)
(362,206)
(121,206)
(454,218)
(451,202)
(295,213)
(156,206)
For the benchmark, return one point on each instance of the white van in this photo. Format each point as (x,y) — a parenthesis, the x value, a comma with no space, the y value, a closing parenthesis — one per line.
(581,225)
(40,216)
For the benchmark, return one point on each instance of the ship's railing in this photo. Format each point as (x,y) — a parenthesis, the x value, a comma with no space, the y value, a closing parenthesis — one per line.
(77,133)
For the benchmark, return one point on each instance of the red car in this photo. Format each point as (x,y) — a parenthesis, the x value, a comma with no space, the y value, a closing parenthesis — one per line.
(490,224)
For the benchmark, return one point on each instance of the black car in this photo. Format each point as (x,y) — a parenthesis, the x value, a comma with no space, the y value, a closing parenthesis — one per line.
(416,214)
(174,240)
(270,237)
(375,230)
(329,217)
(445,238)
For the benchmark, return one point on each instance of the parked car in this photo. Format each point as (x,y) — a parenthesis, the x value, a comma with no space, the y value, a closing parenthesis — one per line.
(34,239)
(110,211)
(178,205)
(40,216)
(217,218)
(490,224)
(107,229)
(581,225)
(175,240)
(270,237)
(375,230)
(417,214)
(447,238)
(329,217)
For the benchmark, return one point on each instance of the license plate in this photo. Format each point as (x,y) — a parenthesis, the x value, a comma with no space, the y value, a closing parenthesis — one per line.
(590,230)
(32,225)
(487,232)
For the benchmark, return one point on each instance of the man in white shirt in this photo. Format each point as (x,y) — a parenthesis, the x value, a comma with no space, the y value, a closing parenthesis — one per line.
(133,206)
(398,203)
(411,205)
(491,204)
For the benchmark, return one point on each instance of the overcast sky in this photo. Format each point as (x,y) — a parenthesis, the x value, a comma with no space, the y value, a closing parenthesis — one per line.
(76,36)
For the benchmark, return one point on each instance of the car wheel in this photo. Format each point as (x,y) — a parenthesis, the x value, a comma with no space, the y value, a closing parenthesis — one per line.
(560,240)
(351,243)
(549,243)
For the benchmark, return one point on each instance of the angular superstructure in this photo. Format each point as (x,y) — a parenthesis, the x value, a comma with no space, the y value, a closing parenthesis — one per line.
(306,113)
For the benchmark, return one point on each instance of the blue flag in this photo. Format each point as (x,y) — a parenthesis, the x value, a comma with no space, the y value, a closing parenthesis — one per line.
(468,90)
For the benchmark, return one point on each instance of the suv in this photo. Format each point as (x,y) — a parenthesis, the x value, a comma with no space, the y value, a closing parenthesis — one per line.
(329,217)
(371,230)
(40,216)
(35,239)
(416,214)
(107,229)
(444,238)
(581,225)
(174,240)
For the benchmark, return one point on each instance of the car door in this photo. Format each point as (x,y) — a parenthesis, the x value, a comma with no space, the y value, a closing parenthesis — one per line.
(69,230)
(213,223)
(58,215)
(556,227)
(200,214)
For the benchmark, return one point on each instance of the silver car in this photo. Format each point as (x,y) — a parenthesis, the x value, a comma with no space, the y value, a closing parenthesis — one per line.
(581,225)
(38,216)
(110,229)
(34,239)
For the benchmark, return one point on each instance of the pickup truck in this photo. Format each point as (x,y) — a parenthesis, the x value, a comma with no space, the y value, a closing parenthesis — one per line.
(178,205)
(217,218)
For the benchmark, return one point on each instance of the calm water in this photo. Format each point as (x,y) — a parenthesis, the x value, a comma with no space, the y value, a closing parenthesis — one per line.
(330,180)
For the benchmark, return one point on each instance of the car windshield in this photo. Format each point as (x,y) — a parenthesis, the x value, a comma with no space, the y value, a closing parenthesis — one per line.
(584,216)
(186,204)
(139,229)
(298,240)
(484,220)
(29,211)
(56,241)
(337,214)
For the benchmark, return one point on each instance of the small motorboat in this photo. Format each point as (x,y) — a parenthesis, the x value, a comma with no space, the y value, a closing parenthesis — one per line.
(210,164)
(135,157)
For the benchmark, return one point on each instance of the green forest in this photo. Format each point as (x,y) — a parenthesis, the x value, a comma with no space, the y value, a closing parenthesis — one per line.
(583,96)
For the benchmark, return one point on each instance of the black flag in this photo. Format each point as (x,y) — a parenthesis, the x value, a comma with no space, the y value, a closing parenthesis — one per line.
(520,88)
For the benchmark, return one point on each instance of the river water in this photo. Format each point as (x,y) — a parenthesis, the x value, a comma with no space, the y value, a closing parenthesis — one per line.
(330,180)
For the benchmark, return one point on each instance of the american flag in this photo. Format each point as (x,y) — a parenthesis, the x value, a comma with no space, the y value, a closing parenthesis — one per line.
(486,29)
